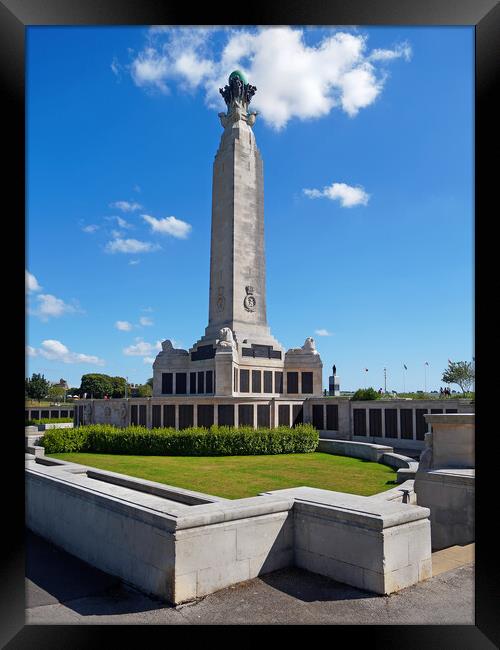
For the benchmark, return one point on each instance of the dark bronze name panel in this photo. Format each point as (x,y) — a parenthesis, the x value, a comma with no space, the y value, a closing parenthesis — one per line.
(203,352)
(261,352)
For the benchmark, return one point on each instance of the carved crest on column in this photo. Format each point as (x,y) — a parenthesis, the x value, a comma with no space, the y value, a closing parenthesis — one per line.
(249,302)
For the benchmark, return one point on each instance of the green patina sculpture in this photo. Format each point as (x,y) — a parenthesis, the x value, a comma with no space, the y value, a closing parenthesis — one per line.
(238,90)
(238,73)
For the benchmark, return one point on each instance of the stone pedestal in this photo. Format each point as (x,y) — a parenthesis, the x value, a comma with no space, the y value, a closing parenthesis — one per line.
(445,480)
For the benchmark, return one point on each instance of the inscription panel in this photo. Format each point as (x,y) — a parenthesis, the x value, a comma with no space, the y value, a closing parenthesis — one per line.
(169,416)
(332,417)
(375,418)
(307,382)
(318,417)
(391,423)
(292,379)
(297,414)
(244,381)
(180,383)
(156,416)
(186,416)
(256,381)
(359,421)
(225,414)
(205,415)
(245,415)
(263,416)
(406,419)
(133,415)
(167,384)
(421,423)
(284,415)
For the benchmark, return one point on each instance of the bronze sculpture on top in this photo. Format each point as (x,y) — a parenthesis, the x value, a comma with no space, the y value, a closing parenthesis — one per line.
(237,95)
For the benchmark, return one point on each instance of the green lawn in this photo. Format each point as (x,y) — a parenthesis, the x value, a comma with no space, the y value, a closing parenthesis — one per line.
(235,477)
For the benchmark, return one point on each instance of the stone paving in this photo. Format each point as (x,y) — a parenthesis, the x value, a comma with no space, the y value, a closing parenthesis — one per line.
(60,589)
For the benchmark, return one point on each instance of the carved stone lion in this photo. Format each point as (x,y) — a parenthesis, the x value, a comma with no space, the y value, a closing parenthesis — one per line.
(309,345)
(167,346)
(226,339)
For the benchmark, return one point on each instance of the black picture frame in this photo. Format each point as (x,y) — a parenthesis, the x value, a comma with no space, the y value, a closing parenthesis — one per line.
(15,16)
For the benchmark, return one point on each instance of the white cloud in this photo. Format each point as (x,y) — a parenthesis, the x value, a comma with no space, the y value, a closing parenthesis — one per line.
(126,206)
(31,282)
(133,262)
(323,332)
(51,307)
(150,69)
(119,245)
(293,78)
(145,321)
(148,360)
(31,352)
(348,195)
(116,67)
(123,325)
(90,228)
(168,226)
(401,50)
(122,223)
(56,351)
(142,349)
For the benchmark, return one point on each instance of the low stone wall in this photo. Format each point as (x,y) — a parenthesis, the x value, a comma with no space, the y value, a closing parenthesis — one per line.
(180,545)
(372,544)
(406,467)
(365,451)
(445,481)
(396,493)
(449,494)
(51,425)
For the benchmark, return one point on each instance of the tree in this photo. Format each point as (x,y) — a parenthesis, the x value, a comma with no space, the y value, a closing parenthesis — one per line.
(37,387)
(461,373)
(119,386)
(96,385)
(144,390)
(150,382)
(56,393)
(365,393)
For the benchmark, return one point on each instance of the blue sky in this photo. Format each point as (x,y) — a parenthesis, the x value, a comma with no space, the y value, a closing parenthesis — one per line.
(367,140)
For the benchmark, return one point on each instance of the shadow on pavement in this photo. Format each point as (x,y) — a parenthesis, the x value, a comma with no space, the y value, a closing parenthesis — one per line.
(311,587)
(54,576)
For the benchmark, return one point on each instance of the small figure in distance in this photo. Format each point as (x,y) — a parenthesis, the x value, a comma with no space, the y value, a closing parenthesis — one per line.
(380,391)
(441,392)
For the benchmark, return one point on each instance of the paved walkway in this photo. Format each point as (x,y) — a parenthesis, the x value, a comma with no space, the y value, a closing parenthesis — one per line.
(60,589)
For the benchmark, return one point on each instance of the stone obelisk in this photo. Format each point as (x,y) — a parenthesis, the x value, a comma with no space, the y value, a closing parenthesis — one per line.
(237,260)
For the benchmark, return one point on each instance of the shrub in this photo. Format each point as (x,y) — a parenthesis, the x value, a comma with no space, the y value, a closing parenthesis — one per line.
(47,421)
(365,394)
(195,441)
(60,441)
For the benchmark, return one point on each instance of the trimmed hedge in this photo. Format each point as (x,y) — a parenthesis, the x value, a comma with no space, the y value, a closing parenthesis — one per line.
(47,421)
(196,441)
